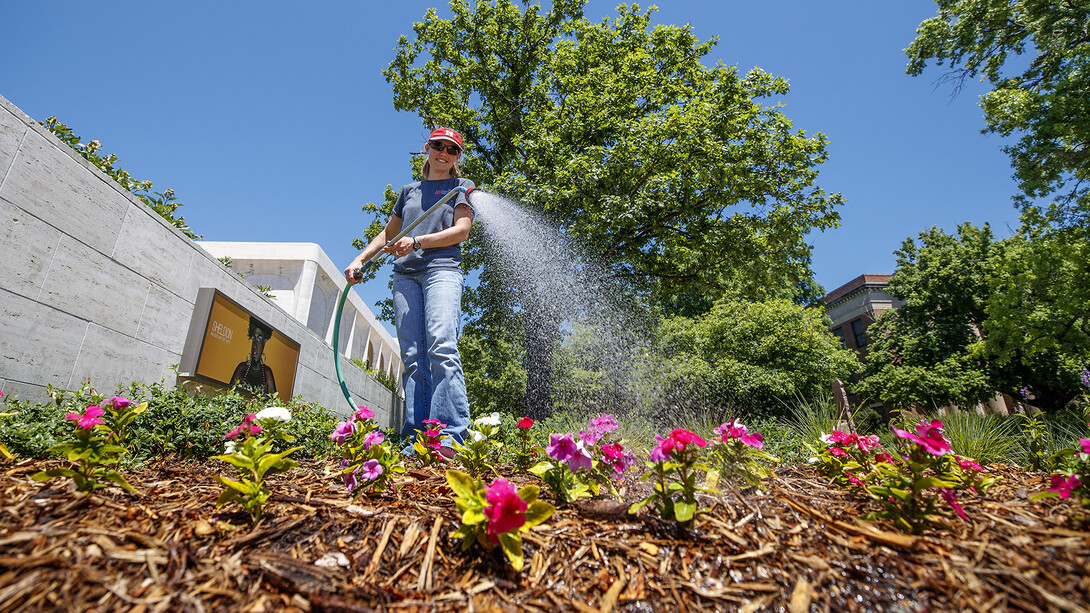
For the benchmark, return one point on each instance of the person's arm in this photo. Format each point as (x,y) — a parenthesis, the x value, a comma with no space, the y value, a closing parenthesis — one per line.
(392,228)
(270,383)
(237,375)
(456,233)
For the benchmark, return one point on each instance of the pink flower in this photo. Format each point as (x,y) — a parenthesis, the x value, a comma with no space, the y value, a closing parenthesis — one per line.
(580,460)
(929,437)
(755,440)
(662,449)
(1063,485)
(867,444)
(435,423)
(363,413)
(952,497)
(505,510)
(349,478)
(968,464)
(836,437)
(373,437)
(561,447)
(345,429)
(120,402)
(1085,444)
(88,419)
(884,457)
(589,438)
(604,423)
(853,479)
(526,423)
(370,470)
(246,427)
(684,438)
(615,456)
(837,451)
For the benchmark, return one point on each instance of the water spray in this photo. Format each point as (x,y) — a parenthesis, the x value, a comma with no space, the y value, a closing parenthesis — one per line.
(359,274)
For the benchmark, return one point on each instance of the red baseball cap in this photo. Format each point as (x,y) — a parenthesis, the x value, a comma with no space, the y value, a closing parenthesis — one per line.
(447,134)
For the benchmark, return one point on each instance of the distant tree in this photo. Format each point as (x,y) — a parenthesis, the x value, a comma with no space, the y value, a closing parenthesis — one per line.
(750,358)
(620,134)
(981,316)
(1046,104)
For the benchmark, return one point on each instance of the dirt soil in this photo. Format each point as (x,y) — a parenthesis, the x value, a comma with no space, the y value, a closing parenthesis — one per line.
(795,546)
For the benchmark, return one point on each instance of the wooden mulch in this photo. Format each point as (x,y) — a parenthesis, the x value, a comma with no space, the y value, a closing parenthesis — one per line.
(795,546)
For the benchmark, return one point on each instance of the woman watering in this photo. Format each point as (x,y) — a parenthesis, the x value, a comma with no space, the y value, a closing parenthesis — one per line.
(427,288)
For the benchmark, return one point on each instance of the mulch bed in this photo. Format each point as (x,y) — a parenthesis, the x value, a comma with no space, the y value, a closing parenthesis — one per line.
(797,545)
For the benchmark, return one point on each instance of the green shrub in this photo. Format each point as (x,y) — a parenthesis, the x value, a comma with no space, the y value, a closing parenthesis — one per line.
(984,438)
(175,423)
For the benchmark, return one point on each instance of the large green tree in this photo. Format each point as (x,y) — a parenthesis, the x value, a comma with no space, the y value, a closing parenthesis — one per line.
(621,134)
(981,316)
(1043,98)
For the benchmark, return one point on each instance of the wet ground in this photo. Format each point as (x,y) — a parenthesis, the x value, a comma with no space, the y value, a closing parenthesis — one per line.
(796,545)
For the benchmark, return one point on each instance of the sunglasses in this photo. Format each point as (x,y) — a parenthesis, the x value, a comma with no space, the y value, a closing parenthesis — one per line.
(451,149)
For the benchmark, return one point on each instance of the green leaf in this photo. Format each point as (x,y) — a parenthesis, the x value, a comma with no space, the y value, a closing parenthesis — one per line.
(512,548)
(462,484)
(537,512)
(684,511)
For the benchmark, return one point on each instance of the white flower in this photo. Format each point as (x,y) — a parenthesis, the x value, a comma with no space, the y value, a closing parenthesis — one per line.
(491,420)
(229,447)
(279,413)
(825,438)
(814,460)
(475,436)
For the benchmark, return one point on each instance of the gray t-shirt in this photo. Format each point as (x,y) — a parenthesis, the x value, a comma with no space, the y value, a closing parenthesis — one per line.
(416,198)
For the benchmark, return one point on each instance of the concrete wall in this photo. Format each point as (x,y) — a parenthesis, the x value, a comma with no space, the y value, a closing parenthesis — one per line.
(95,285)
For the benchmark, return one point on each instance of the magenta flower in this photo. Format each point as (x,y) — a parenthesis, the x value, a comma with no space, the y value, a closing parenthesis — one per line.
(1085,444)
(370,470)
(434,423)
(345,429)
(614,455)
(884,457)
(349,478)
(526,423)
(968,464)
(604,423)
(373,438)
(246,427)
(580,460)
(928,436)
(561,447)
(120,402)
(1063,485)
(505,510)
(754,439)
(661,452)
(88,419)
(684,438)
(363,413)
(952,497)
(868,444)
(589,438)
(837,451)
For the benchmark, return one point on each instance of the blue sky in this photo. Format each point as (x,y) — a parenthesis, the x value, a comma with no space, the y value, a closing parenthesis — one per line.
(272,121)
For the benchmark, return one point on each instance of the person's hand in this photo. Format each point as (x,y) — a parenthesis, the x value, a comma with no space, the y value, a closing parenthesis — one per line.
(401,247)
(350,273)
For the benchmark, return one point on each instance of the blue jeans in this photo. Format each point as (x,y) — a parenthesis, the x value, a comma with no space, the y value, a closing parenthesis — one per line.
(428,317)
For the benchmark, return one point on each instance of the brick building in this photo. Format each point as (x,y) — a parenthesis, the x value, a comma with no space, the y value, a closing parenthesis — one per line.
(855,305)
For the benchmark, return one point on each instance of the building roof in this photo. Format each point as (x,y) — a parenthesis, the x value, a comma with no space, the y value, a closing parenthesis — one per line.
(859,282)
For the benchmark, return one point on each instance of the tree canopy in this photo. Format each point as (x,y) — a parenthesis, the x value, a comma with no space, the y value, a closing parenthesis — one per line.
(982,316)
(621,134)
(1043,99)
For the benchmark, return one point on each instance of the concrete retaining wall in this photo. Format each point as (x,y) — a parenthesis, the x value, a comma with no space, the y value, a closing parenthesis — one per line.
(95,285)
